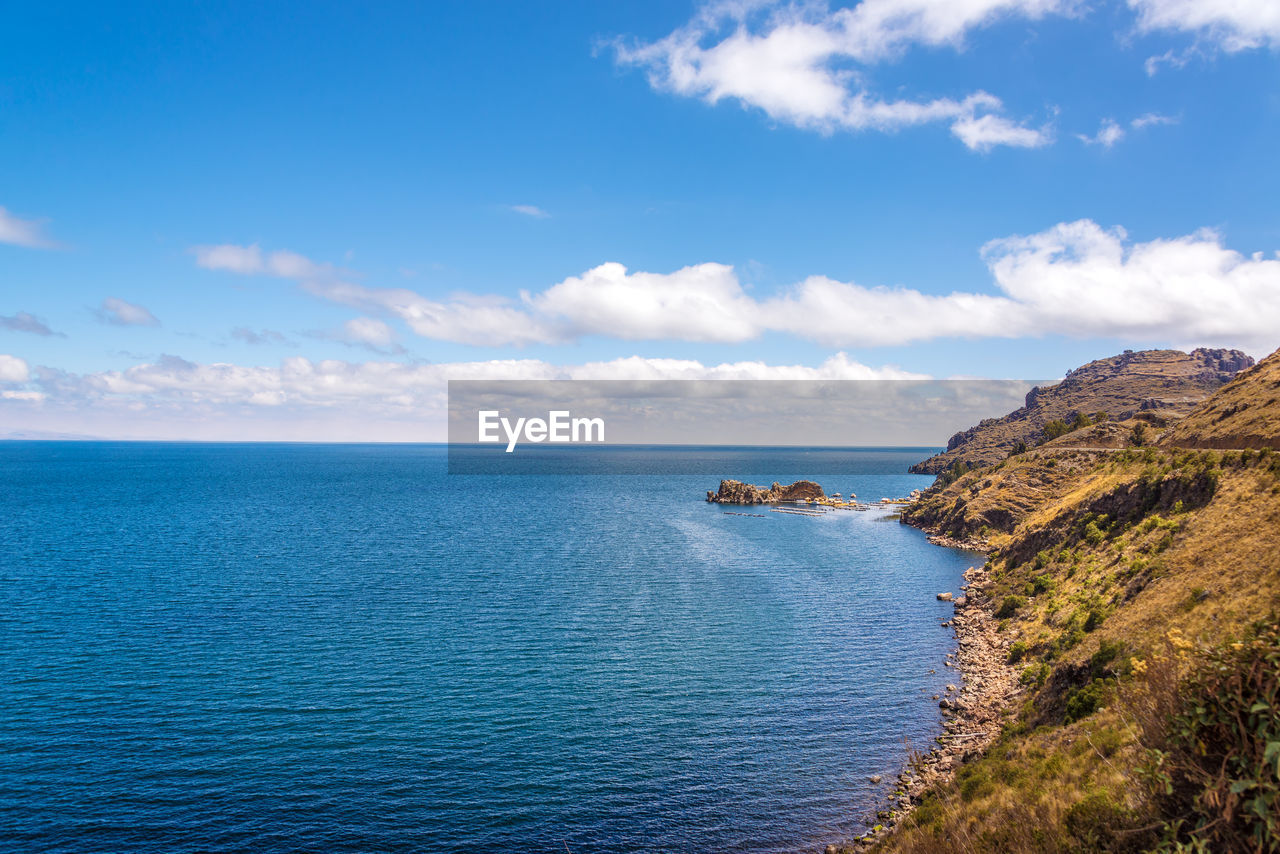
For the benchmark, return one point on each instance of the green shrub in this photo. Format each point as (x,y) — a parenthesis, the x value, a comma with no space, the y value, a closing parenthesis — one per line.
(1083,702)
(1215,758)
(1017,650)
(1053,429)
(1009,607)
(1093,619)
(1034,675)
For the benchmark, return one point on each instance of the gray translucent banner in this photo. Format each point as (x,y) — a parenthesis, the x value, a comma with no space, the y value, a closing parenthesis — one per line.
(604,426)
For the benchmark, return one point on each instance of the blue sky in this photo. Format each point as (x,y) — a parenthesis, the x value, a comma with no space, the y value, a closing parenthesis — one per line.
(240,221)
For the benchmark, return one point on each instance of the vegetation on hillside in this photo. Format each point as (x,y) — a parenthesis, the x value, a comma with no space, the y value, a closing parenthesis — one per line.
(1139,590)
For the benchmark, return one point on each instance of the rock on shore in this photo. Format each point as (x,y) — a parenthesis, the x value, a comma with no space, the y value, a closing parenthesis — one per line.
(973,718)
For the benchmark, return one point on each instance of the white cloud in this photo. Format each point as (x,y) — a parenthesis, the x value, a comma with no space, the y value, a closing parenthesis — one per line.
(1151,119)
(1231,25)
(982,133)
(1075,279)
(118,312)
(794,62)
(700,303)
(251,260)
(390,387)
(487,321)
(368,330)
(23,232)
(13,369)
(1080,279)
(1109,133)
(530,211)
(336,400)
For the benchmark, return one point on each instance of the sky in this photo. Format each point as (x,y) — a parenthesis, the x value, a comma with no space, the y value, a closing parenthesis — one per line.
(298,221)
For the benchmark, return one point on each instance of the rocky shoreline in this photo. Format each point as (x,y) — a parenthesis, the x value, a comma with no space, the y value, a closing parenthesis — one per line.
(975,711)
(969,544)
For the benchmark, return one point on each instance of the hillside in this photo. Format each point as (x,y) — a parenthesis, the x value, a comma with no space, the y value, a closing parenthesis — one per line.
(1162,385)
(1241,415)
(1133,593)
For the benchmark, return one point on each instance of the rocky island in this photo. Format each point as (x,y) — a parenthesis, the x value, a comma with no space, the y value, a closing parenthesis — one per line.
(737,492)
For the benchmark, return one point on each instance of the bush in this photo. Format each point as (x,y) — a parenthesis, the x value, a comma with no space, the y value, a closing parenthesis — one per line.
(1009,607)
(1085,701)
(1053,429)
(1017,650)
(1034,675)
(1093,620)
(1214,741)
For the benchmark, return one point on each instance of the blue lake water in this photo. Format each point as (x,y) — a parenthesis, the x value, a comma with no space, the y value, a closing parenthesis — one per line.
(344,648)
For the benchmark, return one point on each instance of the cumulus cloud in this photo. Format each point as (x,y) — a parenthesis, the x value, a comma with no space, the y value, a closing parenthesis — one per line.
(1081,279)
(26,322)
(701,303)
(13,369)
(28,233)
(1075,278)
(118,312)
(530,211)
(1230,26)
(799,63)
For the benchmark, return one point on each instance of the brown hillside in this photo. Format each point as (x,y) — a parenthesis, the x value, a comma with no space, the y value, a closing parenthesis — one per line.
(1243,414)
(1162,385)
(1119,579)
(1101,562)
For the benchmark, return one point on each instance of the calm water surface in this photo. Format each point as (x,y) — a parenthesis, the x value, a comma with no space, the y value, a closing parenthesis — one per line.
(343,648)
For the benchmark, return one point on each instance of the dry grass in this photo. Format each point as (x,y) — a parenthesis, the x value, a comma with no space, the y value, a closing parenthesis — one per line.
(1095,591)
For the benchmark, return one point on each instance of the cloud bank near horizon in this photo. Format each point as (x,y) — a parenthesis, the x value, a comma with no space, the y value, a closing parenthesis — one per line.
(329,399)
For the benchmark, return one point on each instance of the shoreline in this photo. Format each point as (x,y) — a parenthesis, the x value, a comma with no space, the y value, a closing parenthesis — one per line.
(974,708)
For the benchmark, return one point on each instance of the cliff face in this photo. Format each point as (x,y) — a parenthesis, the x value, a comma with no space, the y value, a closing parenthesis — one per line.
(1162,385)
(1244,414)
(737,492)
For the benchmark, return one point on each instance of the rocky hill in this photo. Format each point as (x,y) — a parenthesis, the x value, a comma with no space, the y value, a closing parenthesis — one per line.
(1244,414)
(1132,596)
(1162,385)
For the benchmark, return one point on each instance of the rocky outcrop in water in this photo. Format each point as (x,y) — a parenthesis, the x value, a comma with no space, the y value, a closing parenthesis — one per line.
(737,492)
